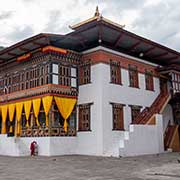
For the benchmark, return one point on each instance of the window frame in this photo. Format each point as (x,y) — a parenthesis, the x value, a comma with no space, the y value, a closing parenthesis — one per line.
(120,123)
(149,80)
(85,73)
(134,108)
(81,115)
(133,76)
(115,72)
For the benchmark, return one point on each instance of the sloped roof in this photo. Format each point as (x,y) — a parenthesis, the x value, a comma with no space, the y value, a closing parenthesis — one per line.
(92,33)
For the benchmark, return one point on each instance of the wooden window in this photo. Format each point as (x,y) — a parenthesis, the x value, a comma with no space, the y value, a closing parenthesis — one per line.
(64,74)
(85,73)
(149,80)
(135,110)
(176,81)
(84,117)
(73,77)
(117,115)
(133,76)
(72,119)
(115,71)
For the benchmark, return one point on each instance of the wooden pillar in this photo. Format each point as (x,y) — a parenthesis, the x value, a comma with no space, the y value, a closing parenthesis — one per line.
(51,119)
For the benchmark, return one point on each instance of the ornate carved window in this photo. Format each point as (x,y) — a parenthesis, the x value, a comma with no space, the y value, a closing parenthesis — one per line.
(65,75)
(84,117)
(175,77)
(73,77)
(117,116)
(115,71)
(135,110)
(133,76)
(149,80)
(85,73)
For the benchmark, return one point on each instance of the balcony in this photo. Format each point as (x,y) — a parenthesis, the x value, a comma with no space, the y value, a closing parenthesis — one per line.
(40,90)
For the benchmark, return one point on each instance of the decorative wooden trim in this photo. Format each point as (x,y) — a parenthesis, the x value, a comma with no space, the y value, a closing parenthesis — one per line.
(55,49)
(23,57)
(49,89)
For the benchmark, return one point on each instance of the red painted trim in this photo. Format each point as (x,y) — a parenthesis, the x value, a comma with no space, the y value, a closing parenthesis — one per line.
(101,56)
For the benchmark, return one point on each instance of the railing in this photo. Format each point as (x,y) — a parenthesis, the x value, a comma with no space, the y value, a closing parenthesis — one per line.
(44,132)
(39,90)
(156,107)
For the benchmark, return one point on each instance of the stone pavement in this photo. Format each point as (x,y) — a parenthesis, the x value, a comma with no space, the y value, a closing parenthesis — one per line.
(151,167)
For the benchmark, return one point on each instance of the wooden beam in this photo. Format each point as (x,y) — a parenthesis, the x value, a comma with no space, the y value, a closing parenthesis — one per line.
(148,50)
(81,40)
(160,55)
(24,49)
(38,44)
(172,58)
(134,46)
(118,39)
(100,34)
(12,54)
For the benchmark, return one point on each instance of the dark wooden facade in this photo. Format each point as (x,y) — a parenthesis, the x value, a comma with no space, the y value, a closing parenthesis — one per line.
(43,74)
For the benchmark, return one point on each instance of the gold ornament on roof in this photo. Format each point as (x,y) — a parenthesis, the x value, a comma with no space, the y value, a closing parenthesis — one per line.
(97,14)
(98,17)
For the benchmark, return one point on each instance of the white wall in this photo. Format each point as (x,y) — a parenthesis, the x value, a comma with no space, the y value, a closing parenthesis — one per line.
(144,139)
(167,115)
(102,140)
(91,142)
(47,146)
(123,95)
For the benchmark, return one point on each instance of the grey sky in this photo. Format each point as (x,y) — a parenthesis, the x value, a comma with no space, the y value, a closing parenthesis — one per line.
(157,20)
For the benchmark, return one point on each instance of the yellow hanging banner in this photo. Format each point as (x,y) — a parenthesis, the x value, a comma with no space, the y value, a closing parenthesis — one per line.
(4,110)
(47,101)
(19,108)
(27,110)
(11,111)
(36,108)
(65,107)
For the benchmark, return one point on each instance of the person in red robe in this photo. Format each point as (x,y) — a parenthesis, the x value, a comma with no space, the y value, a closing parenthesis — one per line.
(32,148)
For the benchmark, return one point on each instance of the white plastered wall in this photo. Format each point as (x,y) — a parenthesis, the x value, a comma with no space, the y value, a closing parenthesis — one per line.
(102,140)
(167,116)
(90,142)
(144,139)
(126,95)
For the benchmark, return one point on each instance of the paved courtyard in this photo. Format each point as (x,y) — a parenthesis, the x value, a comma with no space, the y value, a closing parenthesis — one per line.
(164,166)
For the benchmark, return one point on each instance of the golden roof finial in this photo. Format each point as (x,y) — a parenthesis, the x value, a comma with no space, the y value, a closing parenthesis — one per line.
(97,14)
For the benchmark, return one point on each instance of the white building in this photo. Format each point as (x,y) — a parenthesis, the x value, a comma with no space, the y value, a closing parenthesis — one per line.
(124,90)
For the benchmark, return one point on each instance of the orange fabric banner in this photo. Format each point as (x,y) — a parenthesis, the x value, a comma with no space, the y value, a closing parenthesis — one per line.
(47,102)
(65,107)
(36,108)
(4,110)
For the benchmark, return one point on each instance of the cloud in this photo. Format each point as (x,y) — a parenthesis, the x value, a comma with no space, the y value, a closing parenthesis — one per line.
(20,33)
(157,20)
(5,15)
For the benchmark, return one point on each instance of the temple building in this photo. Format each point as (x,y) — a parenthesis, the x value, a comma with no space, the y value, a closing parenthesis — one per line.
(98,90)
